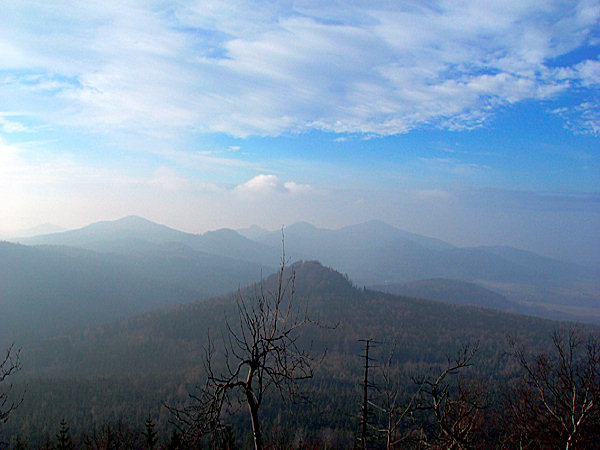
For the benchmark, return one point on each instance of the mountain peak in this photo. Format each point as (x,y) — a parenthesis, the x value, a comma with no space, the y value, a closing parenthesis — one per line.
(133,220)
(129,222)
(372,226)
(312,276)
(300,227)
(126,228)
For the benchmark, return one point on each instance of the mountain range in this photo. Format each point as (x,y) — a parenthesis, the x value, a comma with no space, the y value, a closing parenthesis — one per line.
(115,315)
(372,253)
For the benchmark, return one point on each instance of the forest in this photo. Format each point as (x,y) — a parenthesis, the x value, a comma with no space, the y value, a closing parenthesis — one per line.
(283,363)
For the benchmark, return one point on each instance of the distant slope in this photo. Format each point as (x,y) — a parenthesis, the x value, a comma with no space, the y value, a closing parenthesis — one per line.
(116,235)
(253,232)
(451,291)
(129,368)
(374,253)
(45,228)
(170,340)
(562,272)
(52,289)
(131,227)
(226,242)
(306,239)
(370,253)
(380,233)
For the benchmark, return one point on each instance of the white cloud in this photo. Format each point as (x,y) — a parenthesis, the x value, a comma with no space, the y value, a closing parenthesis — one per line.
(261,183)
(270,184)
(295,188)
(268,68)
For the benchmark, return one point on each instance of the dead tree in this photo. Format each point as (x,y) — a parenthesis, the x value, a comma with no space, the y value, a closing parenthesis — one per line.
(456,407)
(557,403)
(364,415)
(260,351)
(9,366)
(391,405)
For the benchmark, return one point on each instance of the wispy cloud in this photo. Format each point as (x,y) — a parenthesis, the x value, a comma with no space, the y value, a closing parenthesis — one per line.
(8,124)
(269,68)
(583,118)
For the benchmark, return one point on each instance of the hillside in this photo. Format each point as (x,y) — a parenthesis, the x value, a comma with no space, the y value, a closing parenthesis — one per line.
(132,233)
(328,295)
(158,357)
(52,289)
(372,253)
(450,291)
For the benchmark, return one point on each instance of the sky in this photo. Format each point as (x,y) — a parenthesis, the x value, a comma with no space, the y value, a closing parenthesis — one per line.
(477,122)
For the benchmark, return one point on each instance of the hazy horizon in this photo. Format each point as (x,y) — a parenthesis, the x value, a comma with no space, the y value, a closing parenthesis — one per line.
(50,228)
(475,123)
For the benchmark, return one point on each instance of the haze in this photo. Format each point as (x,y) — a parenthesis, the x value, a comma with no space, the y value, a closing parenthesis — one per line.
(474,122)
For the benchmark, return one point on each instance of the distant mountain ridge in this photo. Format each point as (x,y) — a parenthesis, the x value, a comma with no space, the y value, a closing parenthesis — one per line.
(45,228)
(53,289)
(101,236)
(371,253)
(450,291)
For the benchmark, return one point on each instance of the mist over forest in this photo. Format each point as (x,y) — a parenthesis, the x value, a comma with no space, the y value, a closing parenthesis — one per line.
(299,224)
(110,328)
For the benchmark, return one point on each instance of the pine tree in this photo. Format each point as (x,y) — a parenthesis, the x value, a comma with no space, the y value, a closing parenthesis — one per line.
(64,441)
(150,434)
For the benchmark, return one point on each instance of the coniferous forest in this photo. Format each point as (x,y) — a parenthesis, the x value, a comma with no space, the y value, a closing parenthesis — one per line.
(436,375)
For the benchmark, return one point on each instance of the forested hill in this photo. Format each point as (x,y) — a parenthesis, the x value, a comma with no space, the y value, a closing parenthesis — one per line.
(158,357)
(327,296)
(52,289)
(372,253)
(450,291)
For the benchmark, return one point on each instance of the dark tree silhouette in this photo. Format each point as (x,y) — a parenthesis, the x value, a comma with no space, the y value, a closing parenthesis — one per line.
(260,351)
(9,366)
(150,434)
(557,401)
(63,437)
(457,408)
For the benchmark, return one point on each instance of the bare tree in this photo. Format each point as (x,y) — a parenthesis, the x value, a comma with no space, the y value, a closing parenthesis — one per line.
(457,408)
(9,366)
(391,405)
(260,351)
(365,424)
(558,398)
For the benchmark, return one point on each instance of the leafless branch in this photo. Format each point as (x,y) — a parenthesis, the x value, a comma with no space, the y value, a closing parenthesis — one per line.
(559,392)
(260,352)
(457,411)
(8,367)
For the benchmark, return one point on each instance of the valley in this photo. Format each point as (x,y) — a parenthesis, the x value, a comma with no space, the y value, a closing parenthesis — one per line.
(113,320)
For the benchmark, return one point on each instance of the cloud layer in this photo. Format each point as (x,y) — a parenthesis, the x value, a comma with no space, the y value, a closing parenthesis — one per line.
(266,68)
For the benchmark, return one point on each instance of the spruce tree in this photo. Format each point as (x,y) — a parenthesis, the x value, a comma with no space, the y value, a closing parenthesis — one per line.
(150,434)
(64,441)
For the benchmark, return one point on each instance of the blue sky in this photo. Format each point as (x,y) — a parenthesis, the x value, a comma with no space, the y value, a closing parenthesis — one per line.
(477,122)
